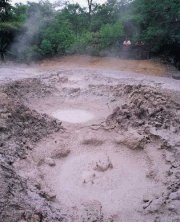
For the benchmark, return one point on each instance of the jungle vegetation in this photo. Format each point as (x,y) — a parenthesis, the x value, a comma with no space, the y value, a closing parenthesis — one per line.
(37,30)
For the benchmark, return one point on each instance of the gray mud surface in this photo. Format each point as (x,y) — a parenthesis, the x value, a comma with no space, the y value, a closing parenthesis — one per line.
(121,165)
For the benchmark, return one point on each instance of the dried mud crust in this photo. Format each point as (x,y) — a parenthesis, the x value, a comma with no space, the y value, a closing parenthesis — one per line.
(20,129)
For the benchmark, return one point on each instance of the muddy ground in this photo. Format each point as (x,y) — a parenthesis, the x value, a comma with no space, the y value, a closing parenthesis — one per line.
(90,142)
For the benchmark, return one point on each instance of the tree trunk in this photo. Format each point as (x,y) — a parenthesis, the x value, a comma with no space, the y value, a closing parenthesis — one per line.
(90,6)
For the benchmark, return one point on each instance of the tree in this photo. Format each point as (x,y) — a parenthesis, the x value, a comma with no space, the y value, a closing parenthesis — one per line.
(91,7)
(5,10)
(90,3)
(36,18)
(110,34)
(77,17)
(159,22)
(7,27)
(56,38)
(102,14)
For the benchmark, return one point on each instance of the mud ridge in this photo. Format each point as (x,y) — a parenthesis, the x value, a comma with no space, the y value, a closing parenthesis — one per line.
(20,129)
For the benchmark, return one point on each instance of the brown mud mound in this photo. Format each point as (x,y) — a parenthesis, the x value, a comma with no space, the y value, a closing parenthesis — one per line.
(132,139)
(146,106)
(28,88)
(20,129)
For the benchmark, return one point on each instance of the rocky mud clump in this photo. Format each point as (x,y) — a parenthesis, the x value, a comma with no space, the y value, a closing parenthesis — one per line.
(146,106)
(20,129)
(28,88)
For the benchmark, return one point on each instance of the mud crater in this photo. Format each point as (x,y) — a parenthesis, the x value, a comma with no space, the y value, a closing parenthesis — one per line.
(114,158)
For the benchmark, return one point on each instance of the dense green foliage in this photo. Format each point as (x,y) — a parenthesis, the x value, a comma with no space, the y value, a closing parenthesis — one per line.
(37,30)
(159,20)
(7,26)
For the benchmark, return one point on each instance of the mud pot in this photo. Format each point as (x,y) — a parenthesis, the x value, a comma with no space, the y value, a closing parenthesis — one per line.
(83,142)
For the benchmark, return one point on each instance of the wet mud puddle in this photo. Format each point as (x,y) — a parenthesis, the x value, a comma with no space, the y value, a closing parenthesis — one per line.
(73,115)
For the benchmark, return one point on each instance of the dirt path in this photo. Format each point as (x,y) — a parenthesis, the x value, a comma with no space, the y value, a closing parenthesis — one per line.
(115,157)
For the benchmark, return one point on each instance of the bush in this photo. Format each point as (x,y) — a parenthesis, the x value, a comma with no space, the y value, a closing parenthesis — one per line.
(81,43)
(46,47)
(56,38)
(111,34)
